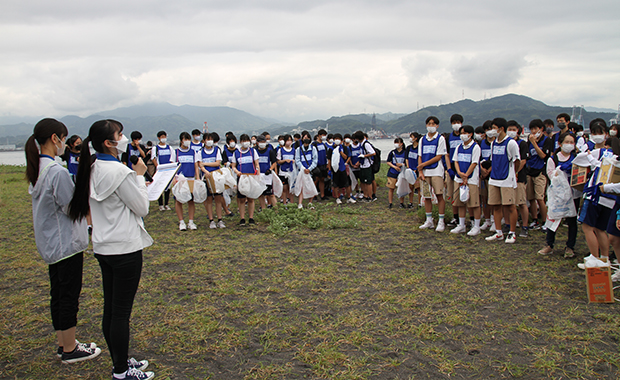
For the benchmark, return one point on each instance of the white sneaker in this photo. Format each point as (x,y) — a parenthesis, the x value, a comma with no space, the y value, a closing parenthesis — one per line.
(191,225)
(162,208)
(221,224)
(581,266)
(616,276)
(495,236)
(458,229)
(212,225)
(182,225)
(360,195)
(475,231)
(310,206)
(300,206)
(512,237)
(485,226)
(167,208)
(351,200)
(338,201)
(427,224)
(441,226)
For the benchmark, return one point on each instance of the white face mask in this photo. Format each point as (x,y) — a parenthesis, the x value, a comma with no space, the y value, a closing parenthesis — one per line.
(281,142)
(323,138)
(347,140)
(396,145)
(567,148)
(337,142)
(431,129)
(537,135)
(253,142)
(612,132)
(597,139)
(492,133)
(268,141)
(512,134)
(163,140)
(60,150)
(478,137)
(121,145)
(245,144)
(456,127)
(232,144)
(186,143)
(197,139)
(411,140)
(331,141)
(464,138)
(262,145)
(209,143)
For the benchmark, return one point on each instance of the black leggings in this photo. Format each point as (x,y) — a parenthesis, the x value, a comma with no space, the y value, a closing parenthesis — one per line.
(65,289)
(164,198)
(121,276)
(572,230)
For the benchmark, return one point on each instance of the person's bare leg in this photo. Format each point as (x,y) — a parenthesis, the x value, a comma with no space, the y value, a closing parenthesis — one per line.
(209,207)
(66,339)
(441,204)
(191,209)
(603,242)
(251,208)
(591,239)
(241,206)
(178,207)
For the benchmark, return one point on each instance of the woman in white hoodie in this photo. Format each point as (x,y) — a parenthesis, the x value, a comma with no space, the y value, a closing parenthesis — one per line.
(60,241)
(117,198)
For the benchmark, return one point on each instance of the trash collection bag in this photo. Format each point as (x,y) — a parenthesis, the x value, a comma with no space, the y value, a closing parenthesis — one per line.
(336,157)
(181,190)
(230,178)
(560,197)
(402,186)
(304,182)
(200,191)
(464,193)
(352,178)
(251,186)
(277,186)
(219,180)
(410,176)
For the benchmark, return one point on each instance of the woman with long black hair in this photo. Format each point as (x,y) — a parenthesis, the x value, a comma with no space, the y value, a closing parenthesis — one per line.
(117,199)
(60,241)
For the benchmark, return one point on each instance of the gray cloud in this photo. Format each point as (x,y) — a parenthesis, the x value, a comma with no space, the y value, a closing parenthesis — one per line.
(488,71)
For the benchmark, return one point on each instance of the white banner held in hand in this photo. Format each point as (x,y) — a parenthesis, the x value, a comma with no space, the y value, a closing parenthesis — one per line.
(162,178)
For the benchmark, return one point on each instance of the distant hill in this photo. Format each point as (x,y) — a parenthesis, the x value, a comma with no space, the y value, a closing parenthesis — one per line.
(511,107)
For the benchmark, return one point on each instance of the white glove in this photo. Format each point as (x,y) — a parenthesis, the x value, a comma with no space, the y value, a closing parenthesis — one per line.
(361,156)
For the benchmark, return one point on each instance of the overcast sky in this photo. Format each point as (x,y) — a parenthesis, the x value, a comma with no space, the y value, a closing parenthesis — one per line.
(300,60)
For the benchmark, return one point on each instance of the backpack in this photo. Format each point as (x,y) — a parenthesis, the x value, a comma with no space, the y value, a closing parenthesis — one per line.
(376,160)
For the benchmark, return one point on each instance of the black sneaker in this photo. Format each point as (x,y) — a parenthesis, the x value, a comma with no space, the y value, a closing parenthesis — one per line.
(80,353)
(453,222)
(402,205)
(91,345)
(242,222)
(90,230)
(410,205)
(269,207)
(136,374)
(374,198)
(251,222)
(390,206)
(230,215)
(140,365)
(524,232)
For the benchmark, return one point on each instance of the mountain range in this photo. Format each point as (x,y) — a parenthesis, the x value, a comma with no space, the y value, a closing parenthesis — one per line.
(152,117)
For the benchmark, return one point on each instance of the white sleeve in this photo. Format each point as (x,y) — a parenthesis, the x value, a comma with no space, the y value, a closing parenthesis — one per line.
(218,156)
(154,153)
(550,167)
(420,148)
(441,146)
(197,156)
(513,150)
(475,155)
(132,191)
(612,188)
(173,155)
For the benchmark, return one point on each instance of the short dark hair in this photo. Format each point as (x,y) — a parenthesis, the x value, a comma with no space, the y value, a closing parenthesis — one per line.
(433,118)
(537,123)
(297,136)
(479,130)
(487,125)
(184,136)
(500,122)
(467,129)
(261,138)
(549,122)
(244,137)
(230,137)
(564,116)
(321,132)
(456,117)
(196,132)
(215,137)
(598,129)
(161,133)
(135,135)
(598,120)
(337,136)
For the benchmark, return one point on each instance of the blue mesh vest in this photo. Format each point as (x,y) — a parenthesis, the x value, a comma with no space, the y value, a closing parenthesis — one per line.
(429,150)
(500,164)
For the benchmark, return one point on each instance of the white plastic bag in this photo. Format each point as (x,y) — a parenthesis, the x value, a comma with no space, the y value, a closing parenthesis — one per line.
(464,193)
(352,178)
(200,192)
(336,159)
(251,186)
(230,178)
(277,186)
(560,197)
(226,195)
(304,182)
(410,176)
(402,185)
(181,190)
(219,179)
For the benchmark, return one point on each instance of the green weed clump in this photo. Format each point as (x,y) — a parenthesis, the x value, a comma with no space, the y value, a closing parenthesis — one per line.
(286,219)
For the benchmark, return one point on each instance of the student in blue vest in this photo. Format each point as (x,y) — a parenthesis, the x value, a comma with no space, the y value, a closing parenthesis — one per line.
(321,146)
(60,241)
(286,160)
(431,149)
(514,131)
(485,170)
(162,153)
(466,159)
(245,162)
(228,152)
(341,180)
(503,179)
(598,135)
(396,162)
(208,160)
(412,163)
(356,150)
(540,147)
(267,163)
(563,120)
(197,141)
(306,159)
(563,159)
(453,142)
(135,148)
(186,157)
(71,154)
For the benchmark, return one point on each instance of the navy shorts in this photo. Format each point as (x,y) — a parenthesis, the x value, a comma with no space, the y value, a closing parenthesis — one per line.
(596,216)
(268,191)
(611,226)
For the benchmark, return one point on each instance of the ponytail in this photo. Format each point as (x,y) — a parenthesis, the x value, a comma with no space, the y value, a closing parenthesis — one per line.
(43,131)
(99,132)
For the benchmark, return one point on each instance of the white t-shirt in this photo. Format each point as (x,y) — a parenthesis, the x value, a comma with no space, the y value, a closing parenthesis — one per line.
(198,155)
(512,149)
(441,151)
(233,159)
(474,159)
(367,149)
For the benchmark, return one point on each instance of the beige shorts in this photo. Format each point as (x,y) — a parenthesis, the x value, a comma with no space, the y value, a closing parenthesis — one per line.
(536,187)
(436,183)
(450,189)
(416,185)
(484,188)
(391,183)
(501,195)
(474,196)
(520,196)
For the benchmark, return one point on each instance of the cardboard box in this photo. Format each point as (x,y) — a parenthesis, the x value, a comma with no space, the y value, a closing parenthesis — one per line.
(599,286)
(608,173)
(579,176)
(190,182)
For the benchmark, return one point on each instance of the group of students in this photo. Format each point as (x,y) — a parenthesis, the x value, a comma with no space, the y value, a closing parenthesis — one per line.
(506,175)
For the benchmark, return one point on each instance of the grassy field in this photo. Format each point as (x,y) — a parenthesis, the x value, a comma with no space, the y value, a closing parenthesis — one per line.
(340,292)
